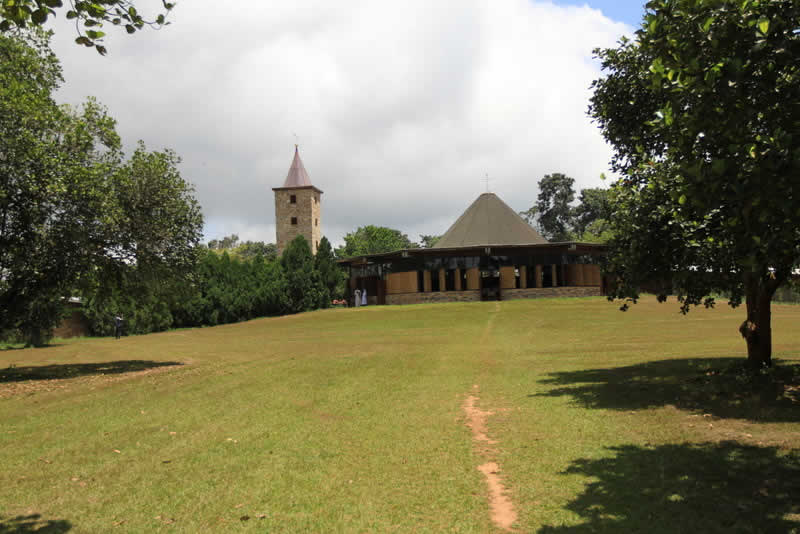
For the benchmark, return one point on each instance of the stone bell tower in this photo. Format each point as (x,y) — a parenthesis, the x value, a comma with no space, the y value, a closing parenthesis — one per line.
(298,208)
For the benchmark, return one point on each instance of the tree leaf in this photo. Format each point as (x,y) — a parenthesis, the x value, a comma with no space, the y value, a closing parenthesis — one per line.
(763,25)
(39,16)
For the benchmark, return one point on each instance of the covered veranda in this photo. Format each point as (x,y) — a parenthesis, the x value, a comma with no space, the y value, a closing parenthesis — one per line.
(478,273)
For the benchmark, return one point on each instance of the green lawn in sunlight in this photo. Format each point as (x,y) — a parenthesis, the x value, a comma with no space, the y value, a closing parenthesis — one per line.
(351,420)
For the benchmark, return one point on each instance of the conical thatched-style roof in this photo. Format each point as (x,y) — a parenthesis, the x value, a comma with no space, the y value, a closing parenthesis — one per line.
(489,222)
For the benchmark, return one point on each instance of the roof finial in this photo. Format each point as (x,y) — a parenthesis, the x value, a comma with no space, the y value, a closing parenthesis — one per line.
(296,142)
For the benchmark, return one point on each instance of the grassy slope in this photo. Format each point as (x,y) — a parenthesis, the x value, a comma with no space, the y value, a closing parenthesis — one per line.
(350,420)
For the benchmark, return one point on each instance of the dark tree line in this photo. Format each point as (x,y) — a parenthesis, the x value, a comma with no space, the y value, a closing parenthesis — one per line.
(222,288)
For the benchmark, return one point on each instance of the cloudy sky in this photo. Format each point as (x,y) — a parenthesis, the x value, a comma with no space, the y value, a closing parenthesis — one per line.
(400,108)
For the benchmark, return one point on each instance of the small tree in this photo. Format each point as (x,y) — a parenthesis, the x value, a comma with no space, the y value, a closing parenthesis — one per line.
(373,240)
(702,112)
(305,289)
(330,273)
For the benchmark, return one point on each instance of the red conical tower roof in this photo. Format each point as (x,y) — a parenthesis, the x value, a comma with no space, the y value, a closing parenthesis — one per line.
(298,176)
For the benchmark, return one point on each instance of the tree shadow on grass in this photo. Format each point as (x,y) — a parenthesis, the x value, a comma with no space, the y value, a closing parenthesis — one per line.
(719,386)
(74,370)
(24,524)
(708,488)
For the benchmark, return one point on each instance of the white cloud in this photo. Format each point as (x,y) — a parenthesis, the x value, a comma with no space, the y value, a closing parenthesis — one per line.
(400,107)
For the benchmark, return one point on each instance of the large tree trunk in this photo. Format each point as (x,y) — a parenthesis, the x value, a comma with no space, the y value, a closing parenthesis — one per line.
(757,328)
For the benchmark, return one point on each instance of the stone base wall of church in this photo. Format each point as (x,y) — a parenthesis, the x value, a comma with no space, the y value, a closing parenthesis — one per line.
(434,296)
(550,292)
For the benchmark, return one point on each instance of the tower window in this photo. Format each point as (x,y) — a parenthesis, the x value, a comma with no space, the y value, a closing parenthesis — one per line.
(316,222)
(293,199)
(294,220)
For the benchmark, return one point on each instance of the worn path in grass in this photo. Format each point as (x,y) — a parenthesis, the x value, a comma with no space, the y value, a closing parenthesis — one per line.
(353,421)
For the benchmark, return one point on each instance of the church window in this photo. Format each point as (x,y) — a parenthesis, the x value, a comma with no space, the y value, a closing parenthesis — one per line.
(316,222)
(293,199)
(294,220)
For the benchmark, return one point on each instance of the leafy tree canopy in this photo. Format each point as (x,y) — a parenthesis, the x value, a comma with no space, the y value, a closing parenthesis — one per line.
(246,250)
(593,205)
(373,240)
(306,290)
(72,210)
(553,210)
(229,242)
(558,220)
(89,17)
(701,109)
(332,276)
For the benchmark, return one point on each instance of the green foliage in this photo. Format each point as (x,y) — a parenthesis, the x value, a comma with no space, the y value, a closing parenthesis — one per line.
(593,206)
(333,277)
(253,249)
(158,221)
(373,240)
(228,289)
(226,243)
(222,288)
(73,213)
(557,220)
(701,111)
(306,290)
(144,307)
(554,214)
(54,174)
(245,250)
(89,17)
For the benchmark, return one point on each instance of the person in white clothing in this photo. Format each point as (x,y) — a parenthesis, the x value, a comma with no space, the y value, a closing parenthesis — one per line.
(364,297)
(358,297)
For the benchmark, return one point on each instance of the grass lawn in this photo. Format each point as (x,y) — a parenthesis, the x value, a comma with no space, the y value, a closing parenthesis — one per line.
(354,421)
